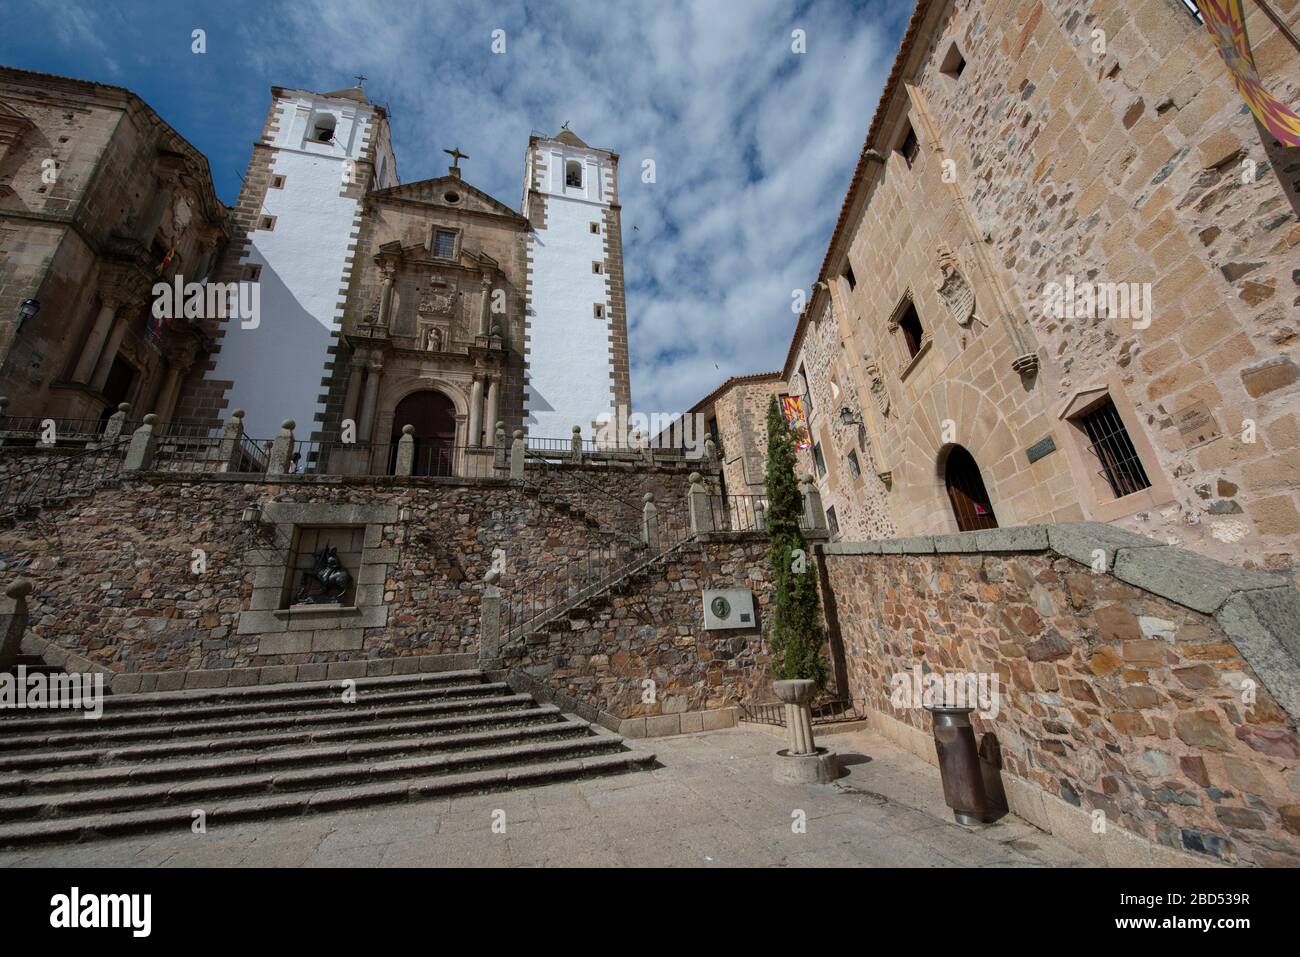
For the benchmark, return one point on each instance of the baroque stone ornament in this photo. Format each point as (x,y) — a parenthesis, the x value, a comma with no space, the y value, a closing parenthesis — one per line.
(438,304)
(878,391)
(329,576)
(954,290)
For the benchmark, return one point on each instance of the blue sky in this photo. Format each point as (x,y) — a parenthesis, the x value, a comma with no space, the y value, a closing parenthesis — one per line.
(753,143)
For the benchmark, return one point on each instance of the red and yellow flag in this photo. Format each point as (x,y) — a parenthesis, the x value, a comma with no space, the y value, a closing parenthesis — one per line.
(792,406)
(1226,21)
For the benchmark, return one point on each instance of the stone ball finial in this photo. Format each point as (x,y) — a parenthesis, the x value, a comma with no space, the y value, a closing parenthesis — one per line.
(237,414)
(648,497)
(577,429)
(519,433)
(289,424)
(124,407)
(19,589)
(408,430)
(808,478)
(493,576)
(151,419)
(695,478)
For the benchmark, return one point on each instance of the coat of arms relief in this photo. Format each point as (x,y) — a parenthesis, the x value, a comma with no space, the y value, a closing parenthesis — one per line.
(954,289)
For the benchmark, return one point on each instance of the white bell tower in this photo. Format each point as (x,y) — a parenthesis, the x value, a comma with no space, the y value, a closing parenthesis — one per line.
(576,347)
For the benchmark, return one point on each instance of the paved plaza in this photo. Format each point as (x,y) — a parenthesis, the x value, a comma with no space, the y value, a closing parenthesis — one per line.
(712,803)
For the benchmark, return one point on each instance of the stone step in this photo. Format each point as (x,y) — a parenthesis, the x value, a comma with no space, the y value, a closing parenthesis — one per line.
(331,688)
(313,701)
(512,717)
(193,793)
(160,771)
(233,811)
(12,741)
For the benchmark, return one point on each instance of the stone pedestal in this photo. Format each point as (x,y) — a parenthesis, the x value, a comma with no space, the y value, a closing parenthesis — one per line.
(802,762)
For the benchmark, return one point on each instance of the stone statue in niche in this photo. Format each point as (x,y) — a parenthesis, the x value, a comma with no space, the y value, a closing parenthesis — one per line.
(328,579)
(954,290)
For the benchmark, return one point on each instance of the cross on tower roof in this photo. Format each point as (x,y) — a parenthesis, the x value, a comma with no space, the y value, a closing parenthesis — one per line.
(360,78)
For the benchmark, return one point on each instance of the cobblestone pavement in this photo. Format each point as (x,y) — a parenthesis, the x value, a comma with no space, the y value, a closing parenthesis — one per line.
(712,804)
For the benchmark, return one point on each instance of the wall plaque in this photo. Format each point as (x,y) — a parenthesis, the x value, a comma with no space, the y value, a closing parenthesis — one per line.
(1039,449)
(1196,424)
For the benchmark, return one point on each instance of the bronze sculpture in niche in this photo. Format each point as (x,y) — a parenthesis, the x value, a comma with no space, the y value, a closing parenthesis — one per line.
(329,577)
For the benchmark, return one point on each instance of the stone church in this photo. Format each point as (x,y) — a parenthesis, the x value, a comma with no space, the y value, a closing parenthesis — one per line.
(430,304)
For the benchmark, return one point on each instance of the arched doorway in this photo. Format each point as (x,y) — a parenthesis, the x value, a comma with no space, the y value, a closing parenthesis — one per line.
(433,415)
(966,492)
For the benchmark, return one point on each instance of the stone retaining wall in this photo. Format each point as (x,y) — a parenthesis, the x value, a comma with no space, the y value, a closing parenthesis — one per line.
(1161,689)
(115,585)
(652,630)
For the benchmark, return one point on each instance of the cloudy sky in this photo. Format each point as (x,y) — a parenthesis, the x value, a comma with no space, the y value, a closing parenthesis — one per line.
(753,143)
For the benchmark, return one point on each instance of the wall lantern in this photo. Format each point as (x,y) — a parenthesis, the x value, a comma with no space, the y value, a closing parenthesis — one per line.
(847,418)
(252,513)
(28,310)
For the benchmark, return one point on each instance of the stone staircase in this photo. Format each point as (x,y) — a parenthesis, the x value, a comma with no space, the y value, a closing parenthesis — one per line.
(237,754)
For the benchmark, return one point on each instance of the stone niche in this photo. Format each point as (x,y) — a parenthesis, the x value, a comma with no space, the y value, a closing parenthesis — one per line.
(294,631)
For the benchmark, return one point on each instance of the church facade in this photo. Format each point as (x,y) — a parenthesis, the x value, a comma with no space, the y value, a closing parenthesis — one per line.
(428,304)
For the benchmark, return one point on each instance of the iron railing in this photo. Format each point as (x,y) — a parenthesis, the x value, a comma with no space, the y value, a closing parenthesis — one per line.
(532,600)
(59,477)
(832,711)
(332,457)
(738,513)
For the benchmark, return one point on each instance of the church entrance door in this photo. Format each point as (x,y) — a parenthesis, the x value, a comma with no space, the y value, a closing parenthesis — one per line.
(433,416)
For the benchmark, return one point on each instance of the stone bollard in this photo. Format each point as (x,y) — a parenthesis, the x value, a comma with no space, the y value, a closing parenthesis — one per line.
(228,453)
(517,456)
(576,444)
(140,450)
(814,515)
(710,451)
(13,622)
(281,449)
(698,500)
(649,520)
(405,451)
(489,632)
(760,516)
(113,428)
(801,762)
(499,446)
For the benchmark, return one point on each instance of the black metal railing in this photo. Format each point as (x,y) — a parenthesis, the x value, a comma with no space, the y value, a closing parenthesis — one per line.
(58,477)
(738,513)
(831,711)
(331,457)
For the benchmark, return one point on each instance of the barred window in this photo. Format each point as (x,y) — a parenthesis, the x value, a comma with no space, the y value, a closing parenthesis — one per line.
(854,467)
(832,522)
(818,459)
(444,244)
(1110,443)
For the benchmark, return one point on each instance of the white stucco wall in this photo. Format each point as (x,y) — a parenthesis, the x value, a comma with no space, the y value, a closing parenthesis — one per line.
(278,366)
(570,375)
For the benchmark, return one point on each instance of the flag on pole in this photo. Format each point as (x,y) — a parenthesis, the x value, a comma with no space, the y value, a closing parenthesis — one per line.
(1226,21)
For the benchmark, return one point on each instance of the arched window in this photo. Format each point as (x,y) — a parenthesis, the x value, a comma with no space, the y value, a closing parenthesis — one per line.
(433,416)
(966,492)
(322,128)
(573,174)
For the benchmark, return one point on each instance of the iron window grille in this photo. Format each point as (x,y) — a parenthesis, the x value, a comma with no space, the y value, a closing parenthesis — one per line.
(444,245)
(1111,444)
(819,460)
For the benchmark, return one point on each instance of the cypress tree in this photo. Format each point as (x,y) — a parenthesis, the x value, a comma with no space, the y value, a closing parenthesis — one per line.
(796,633)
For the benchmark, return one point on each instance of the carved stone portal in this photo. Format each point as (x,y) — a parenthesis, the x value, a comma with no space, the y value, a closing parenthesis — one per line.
(954,290)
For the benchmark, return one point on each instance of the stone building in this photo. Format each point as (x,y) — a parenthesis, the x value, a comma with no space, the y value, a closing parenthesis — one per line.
(99,200)
(429,304)
(735,417)
(1058,286)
